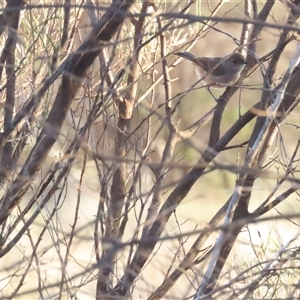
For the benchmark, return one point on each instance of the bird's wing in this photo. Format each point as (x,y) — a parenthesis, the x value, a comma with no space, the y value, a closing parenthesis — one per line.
(207,63)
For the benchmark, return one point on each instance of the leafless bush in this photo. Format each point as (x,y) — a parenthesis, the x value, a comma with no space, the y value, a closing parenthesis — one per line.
(112,162)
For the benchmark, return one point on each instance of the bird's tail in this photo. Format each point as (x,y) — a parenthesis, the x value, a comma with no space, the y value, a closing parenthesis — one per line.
(186,55)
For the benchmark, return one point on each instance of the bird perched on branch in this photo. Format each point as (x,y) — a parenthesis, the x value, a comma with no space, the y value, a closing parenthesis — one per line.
(217,71)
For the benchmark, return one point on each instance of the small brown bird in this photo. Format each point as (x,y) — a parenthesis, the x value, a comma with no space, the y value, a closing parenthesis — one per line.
(217,71)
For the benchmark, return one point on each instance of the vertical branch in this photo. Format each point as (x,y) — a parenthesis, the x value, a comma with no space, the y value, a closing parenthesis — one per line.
(8,55)
(65,34)
(245,35)
(160,172)
(126,105)
(118,189)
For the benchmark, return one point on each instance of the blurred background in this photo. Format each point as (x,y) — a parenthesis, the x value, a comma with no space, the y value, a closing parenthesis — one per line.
(77,200)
